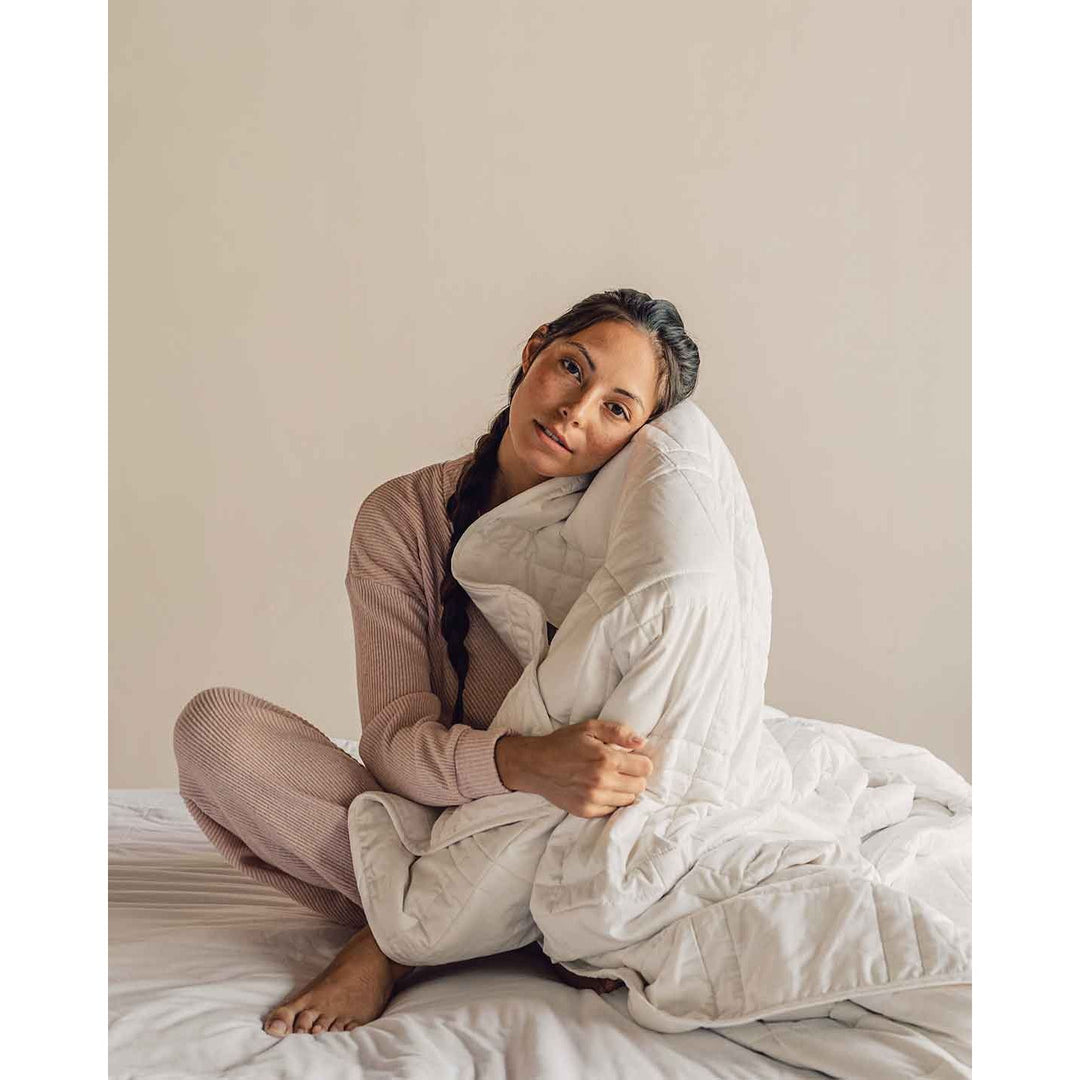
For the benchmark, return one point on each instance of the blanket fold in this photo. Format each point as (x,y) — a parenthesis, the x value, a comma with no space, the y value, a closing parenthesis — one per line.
(775,864)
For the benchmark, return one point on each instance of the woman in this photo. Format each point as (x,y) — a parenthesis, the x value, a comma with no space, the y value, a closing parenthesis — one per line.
(272,792)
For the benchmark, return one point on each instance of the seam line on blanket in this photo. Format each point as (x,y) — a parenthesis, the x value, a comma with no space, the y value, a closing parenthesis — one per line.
(834,996)
(950,874)
(844,992)
(705,967)
(931,1031)
(793,887)
(880,935)
(918,937)
(651,585)
(638,626)
(681,473)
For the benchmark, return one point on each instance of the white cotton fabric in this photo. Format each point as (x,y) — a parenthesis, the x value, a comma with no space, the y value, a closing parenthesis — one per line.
(774,865)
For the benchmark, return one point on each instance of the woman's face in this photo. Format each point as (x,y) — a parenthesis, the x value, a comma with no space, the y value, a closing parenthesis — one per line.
(594,389)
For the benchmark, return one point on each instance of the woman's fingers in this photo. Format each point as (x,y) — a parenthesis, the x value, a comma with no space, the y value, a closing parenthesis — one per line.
(624,783)
(605,803)
(630,762)
(636,765)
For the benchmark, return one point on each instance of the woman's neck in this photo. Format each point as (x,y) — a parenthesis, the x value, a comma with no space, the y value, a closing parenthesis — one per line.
(511,476)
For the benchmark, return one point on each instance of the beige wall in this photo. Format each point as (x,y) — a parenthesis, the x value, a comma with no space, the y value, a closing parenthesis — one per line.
(333,226)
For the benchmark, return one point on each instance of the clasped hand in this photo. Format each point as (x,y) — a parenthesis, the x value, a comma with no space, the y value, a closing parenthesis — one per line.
(588,769)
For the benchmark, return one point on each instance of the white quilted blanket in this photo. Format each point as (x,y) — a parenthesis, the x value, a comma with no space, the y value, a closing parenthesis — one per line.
(774,865)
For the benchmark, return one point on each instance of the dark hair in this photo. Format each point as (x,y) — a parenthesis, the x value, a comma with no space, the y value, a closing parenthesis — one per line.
(676,377)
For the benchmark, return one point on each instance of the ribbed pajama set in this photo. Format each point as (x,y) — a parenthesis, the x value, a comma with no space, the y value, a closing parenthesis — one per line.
(272,792)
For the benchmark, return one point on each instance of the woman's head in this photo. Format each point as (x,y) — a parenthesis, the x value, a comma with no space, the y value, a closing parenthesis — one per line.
(594,375)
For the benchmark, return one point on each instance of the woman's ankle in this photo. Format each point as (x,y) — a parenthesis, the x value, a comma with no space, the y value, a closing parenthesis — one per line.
(399,971)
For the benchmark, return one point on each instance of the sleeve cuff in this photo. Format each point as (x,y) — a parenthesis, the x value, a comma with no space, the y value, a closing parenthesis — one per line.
(474,763)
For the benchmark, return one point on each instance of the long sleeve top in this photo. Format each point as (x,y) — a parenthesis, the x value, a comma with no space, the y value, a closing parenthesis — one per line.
(405,681)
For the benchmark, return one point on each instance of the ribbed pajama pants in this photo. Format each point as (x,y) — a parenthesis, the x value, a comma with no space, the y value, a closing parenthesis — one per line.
(272,794)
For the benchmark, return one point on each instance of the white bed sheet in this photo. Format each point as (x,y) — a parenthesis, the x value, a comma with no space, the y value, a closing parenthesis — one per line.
(199,952)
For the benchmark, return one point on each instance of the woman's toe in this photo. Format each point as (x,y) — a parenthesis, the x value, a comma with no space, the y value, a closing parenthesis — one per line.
(352,1024)
(304,1021)
(322,1023)
(278,1022)
(338,1024)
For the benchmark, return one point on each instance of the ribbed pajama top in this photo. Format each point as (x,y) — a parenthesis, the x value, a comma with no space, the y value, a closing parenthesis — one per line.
(406,684)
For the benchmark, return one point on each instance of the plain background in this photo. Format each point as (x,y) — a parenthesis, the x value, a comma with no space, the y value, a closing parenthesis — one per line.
(333,227)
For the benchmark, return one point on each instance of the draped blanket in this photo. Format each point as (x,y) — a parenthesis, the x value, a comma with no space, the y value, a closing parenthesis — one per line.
(774,866)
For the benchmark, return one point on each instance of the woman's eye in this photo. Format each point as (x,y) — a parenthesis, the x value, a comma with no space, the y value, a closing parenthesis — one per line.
(622,414)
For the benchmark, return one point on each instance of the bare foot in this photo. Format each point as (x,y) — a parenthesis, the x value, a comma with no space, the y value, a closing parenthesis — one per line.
(352,990)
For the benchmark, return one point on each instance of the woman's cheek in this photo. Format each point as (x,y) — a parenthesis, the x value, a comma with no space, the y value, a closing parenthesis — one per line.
(548,382)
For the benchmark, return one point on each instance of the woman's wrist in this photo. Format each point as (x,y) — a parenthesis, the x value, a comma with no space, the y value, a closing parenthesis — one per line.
(510,753)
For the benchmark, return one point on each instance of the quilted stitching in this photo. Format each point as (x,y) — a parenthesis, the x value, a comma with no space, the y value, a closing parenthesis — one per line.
(748,841)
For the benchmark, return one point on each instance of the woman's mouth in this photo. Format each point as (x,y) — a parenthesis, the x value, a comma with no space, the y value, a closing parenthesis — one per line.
(550,440)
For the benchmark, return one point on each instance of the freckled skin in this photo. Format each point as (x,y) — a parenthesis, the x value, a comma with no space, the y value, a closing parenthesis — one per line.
(562,391)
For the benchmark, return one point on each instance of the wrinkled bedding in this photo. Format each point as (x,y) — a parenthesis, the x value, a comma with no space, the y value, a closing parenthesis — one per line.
(198,951)
(777,868)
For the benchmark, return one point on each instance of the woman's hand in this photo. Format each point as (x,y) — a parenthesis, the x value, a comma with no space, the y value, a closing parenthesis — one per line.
(588,769)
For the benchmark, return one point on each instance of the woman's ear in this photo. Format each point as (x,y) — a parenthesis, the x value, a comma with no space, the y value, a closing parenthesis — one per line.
(532,346)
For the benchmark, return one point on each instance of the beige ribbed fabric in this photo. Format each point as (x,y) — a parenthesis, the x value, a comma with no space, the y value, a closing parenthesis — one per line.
(272,792)
(406,683)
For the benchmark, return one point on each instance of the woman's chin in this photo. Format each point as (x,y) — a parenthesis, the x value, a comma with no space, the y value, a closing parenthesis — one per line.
(534,456)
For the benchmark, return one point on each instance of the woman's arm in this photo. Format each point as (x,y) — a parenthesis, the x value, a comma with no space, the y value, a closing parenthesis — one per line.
(404,740)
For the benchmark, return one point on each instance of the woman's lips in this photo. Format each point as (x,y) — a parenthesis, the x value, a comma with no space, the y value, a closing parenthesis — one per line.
(548,440)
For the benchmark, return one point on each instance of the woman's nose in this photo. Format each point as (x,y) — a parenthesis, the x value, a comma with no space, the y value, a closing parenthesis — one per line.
(570,410)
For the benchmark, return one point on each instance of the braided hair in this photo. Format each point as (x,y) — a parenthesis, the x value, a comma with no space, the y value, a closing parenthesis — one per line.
(676,376)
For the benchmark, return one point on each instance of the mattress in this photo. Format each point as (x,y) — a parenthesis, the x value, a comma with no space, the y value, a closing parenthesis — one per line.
(198,953)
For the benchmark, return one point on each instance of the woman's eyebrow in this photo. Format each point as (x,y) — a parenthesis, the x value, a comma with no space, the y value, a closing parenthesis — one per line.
(617,389)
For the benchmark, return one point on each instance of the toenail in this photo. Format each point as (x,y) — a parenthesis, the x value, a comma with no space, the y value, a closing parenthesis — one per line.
(277,1027)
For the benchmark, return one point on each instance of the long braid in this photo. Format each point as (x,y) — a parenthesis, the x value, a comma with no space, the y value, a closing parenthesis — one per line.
(677,367)
(463,508)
